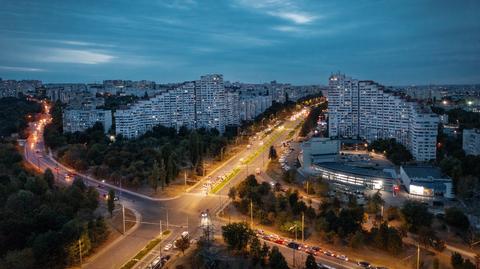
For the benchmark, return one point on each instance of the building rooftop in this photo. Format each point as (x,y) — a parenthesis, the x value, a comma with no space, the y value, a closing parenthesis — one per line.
(361,171)
(423,172)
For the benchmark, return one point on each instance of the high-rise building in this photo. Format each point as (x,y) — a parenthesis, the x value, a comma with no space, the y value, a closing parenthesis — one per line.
(471,141)
(366,110)
(200,104)
(81,118)
(211,102)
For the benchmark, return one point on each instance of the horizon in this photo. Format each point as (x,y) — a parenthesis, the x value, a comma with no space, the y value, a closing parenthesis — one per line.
(302,42)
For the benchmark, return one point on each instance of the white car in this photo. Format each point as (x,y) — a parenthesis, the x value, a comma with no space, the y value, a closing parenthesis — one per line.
(168,247)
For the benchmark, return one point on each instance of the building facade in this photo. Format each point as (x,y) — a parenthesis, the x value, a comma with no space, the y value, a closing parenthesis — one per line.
(81,118)
(471,141)
(426,181)
(366,110)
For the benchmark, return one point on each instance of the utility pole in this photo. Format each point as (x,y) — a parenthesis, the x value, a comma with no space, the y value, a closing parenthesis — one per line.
(161,235)
(251,214)
(167,218)
(80,250)
(303,227)
(307,186)
(418,256)
(123,218)
(185,178)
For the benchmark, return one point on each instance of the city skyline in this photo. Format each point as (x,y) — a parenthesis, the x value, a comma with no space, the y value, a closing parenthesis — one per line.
(253,41)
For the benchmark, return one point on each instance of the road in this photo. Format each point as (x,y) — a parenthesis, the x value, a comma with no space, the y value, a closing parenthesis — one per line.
(178,214)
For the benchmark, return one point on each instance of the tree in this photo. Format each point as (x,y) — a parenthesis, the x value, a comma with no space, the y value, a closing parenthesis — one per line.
(255,250)
(111,201)
(264,253)
(416,215)
(436,264)
(237,235)
(162,174)
(232,193)
(183,243)
(375,202)
(49,178)
(310,262)
(171,172)
(154,177)
(276,259)
(356,240)
(456,218)
(456,260)
(272,153)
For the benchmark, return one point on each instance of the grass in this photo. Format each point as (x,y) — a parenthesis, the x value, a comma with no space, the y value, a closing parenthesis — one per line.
(152,244)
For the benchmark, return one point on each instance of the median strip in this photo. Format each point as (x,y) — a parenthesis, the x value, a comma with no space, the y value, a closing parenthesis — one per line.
(142,253)
(249,159)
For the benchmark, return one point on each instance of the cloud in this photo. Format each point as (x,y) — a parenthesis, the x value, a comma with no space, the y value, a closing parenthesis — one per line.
(76,56)
(178,4)
(82,43)
(283,9)
(20,69)
(288,29)
(295,17)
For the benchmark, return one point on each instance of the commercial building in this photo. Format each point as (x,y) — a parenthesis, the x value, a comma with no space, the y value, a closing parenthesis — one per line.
(471,141)
(319,150)
(355,176)
(426,181)
(81,118)
(366,110)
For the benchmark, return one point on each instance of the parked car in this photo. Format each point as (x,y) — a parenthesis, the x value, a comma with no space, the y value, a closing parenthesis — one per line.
(168,247)
(364,264)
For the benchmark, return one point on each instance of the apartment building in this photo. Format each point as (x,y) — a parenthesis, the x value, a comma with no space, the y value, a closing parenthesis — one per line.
(471,141)
(365,109)
(78,119)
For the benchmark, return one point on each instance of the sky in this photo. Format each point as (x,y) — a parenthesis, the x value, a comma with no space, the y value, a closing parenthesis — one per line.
(296,41)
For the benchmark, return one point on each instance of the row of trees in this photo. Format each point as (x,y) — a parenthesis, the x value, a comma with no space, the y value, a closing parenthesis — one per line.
(15,113)
(463,169)
(311,121)
(240,239)
(394,151)
(155,158)
(41,225)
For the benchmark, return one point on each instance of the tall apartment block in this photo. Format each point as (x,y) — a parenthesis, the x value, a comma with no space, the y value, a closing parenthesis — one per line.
(78,119)
(365,109)
(471,141)
(211,106)
(199,104)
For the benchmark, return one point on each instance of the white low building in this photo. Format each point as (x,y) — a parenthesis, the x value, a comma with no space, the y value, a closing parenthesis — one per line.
(426,181)
(319,150)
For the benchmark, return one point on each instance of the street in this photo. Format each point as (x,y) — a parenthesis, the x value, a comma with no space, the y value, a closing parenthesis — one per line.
(174,213)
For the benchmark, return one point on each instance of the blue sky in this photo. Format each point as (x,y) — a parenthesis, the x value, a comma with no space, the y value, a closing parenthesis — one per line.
(301,42)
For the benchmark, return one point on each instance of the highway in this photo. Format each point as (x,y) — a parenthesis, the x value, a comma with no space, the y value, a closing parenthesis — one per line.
(181,213)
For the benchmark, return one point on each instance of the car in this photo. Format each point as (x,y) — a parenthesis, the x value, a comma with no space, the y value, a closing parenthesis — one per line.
(293,245)
(324,266)
(156,263)
(342,257)
(168,247)
(364,264)
(279,241)
(328,253)
(166,257)
(184,234)
(115,198)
